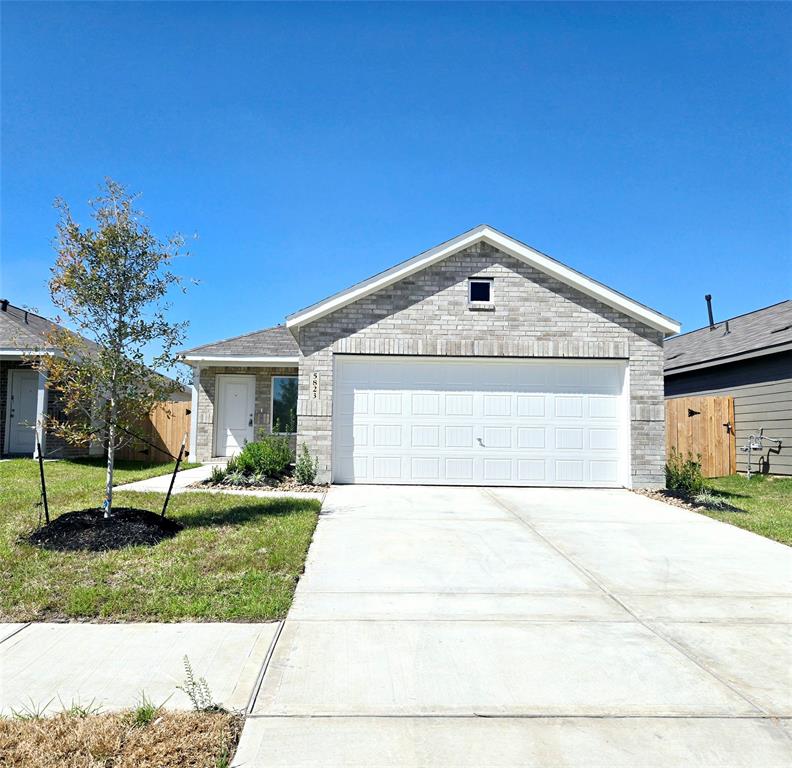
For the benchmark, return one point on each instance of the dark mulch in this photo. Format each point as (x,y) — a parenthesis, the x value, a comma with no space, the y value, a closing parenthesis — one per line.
(87,529)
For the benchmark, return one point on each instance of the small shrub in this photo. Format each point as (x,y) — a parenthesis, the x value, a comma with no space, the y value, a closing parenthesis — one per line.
(269,456)
(306,467)
(217,475)
(197,691)
(232,464)
(707,498)
(683,473)
(236,477)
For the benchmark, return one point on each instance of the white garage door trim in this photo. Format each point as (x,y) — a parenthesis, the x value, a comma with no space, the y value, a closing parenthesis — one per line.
(480,421)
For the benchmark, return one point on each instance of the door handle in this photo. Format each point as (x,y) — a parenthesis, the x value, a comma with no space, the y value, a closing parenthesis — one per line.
(481,442)
(250,420)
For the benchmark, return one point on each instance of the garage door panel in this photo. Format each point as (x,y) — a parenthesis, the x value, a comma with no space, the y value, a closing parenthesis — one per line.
(389,428)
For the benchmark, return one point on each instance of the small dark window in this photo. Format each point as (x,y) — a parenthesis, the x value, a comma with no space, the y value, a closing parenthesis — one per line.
(481,290)
(284,404)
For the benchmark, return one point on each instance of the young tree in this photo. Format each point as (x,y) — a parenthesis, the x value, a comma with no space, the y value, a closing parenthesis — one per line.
(111,281)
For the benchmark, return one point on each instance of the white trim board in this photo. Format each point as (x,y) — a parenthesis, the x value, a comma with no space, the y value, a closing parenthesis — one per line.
(502,242)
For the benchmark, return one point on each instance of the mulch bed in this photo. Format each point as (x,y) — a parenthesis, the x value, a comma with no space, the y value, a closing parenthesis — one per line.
(284,484)
(87,529)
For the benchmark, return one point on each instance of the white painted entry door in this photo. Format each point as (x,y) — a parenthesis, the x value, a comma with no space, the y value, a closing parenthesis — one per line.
(483,421)
(22,404)
(236,397)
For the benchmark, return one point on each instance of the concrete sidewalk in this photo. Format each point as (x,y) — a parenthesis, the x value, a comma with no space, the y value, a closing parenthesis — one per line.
(52,666)
(160,483)
(528,627)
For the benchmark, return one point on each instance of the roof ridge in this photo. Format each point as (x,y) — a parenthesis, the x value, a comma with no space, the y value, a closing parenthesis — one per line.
(728,319)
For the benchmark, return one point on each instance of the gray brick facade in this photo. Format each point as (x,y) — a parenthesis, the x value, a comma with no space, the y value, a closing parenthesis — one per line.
(207,390)
(534,315)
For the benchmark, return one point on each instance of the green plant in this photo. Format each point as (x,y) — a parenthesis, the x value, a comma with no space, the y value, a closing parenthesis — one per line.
(31,711)
(707,498)
(197,691)
(235,478)
(269,456)
(306,467)
(232,464)
(683,473)
(75,709)
(217,474)
(145,712)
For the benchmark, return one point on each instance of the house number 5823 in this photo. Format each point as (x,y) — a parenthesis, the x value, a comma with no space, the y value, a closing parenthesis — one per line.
(314,386)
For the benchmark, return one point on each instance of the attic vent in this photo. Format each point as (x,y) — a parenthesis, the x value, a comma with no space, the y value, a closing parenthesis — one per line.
(785,328)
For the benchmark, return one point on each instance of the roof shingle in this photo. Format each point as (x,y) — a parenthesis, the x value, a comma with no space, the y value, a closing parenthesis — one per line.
(269,342)
(767,329)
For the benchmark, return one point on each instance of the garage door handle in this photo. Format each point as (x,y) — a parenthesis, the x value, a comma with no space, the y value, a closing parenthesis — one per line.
(481,442)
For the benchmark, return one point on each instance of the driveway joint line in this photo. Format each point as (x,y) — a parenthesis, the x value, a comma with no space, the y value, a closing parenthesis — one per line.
(264,665)
(16,632)
(509,716)
(583,570)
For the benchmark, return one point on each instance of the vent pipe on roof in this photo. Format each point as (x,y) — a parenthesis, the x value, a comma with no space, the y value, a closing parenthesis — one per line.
(4,305)
(708,299)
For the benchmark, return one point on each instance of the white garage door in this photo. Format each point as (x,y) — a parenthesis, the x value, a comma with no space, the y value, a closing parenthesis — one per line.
(480,421)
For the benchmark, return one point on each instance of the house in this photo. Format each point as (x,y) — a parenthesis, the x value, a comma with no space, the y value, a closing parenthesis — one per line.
(478,362)
(748,357)
(24,397)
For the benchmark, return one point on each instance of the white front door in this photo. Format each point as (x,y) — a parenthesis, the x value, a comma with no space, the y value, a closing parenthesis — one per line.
(22,403)
(235,404)
(484,421)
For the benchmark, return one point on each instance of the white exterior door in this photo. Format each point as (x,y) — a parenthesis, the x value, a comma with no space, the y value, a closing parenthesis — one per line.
(236,397)
(23,399)
(480,421)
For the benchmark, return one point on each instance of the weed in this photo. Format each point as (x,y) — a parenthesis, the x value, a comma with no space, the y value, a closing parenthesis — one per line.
(197,691)
(145,712)
(31,711)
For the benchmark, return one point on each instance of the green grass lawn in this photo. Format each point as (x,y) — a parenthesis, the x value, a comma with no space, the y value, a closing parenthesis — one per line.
(765,504)
(237,559)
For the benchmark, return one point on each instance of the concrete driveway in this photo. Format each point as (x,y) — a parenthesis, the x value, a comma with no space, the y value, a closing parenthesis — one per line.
(528,627)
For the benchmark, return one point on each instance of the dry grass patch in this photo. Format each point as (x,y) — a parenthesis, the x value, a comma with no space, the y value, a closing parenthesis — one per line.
(171,740)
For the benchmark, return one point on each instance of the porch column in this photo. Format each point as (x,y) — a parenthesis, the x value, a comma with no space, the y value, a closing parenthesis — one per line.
(41,414)
(196,377)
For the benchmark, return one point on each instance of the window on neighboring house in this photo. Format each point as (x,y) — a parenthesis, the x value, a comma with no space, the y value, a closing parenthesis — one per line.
(284,404)
(480,290)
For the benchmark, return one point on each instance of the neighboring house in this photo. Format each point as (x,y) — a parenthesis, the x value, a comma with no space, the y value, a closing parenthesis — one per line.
(748,357)
(24,396)
(480,361)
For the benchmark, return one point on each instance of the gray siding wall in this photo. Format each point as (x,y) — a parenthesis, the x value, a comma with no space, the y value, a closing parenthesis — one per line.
(207,393)
(54,447)
(534,316)
(762,392)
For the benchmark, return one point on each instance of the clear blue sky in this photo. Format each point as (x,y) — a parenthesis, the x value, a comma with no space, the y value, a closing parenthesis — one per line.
(311,146)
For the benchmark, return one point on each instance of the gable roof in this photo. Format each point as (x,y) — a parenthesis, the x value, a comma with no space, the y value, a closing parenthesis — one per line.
(502,242)
(271,345)
(25,332)
(761,332)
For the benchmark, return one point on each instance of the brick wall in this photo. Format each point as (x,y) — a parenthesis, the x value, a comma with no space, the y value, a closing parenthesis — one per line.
(534,316)
(207,399)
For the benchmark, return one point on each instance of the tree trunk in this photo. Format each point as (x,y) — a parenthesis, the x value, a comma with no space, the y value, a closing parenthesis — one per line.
(111,446)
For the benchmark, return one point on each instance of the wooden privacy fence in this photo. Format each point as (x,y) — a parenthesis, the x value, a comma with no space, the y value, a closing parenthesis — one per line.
(163,430)
(703,425)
